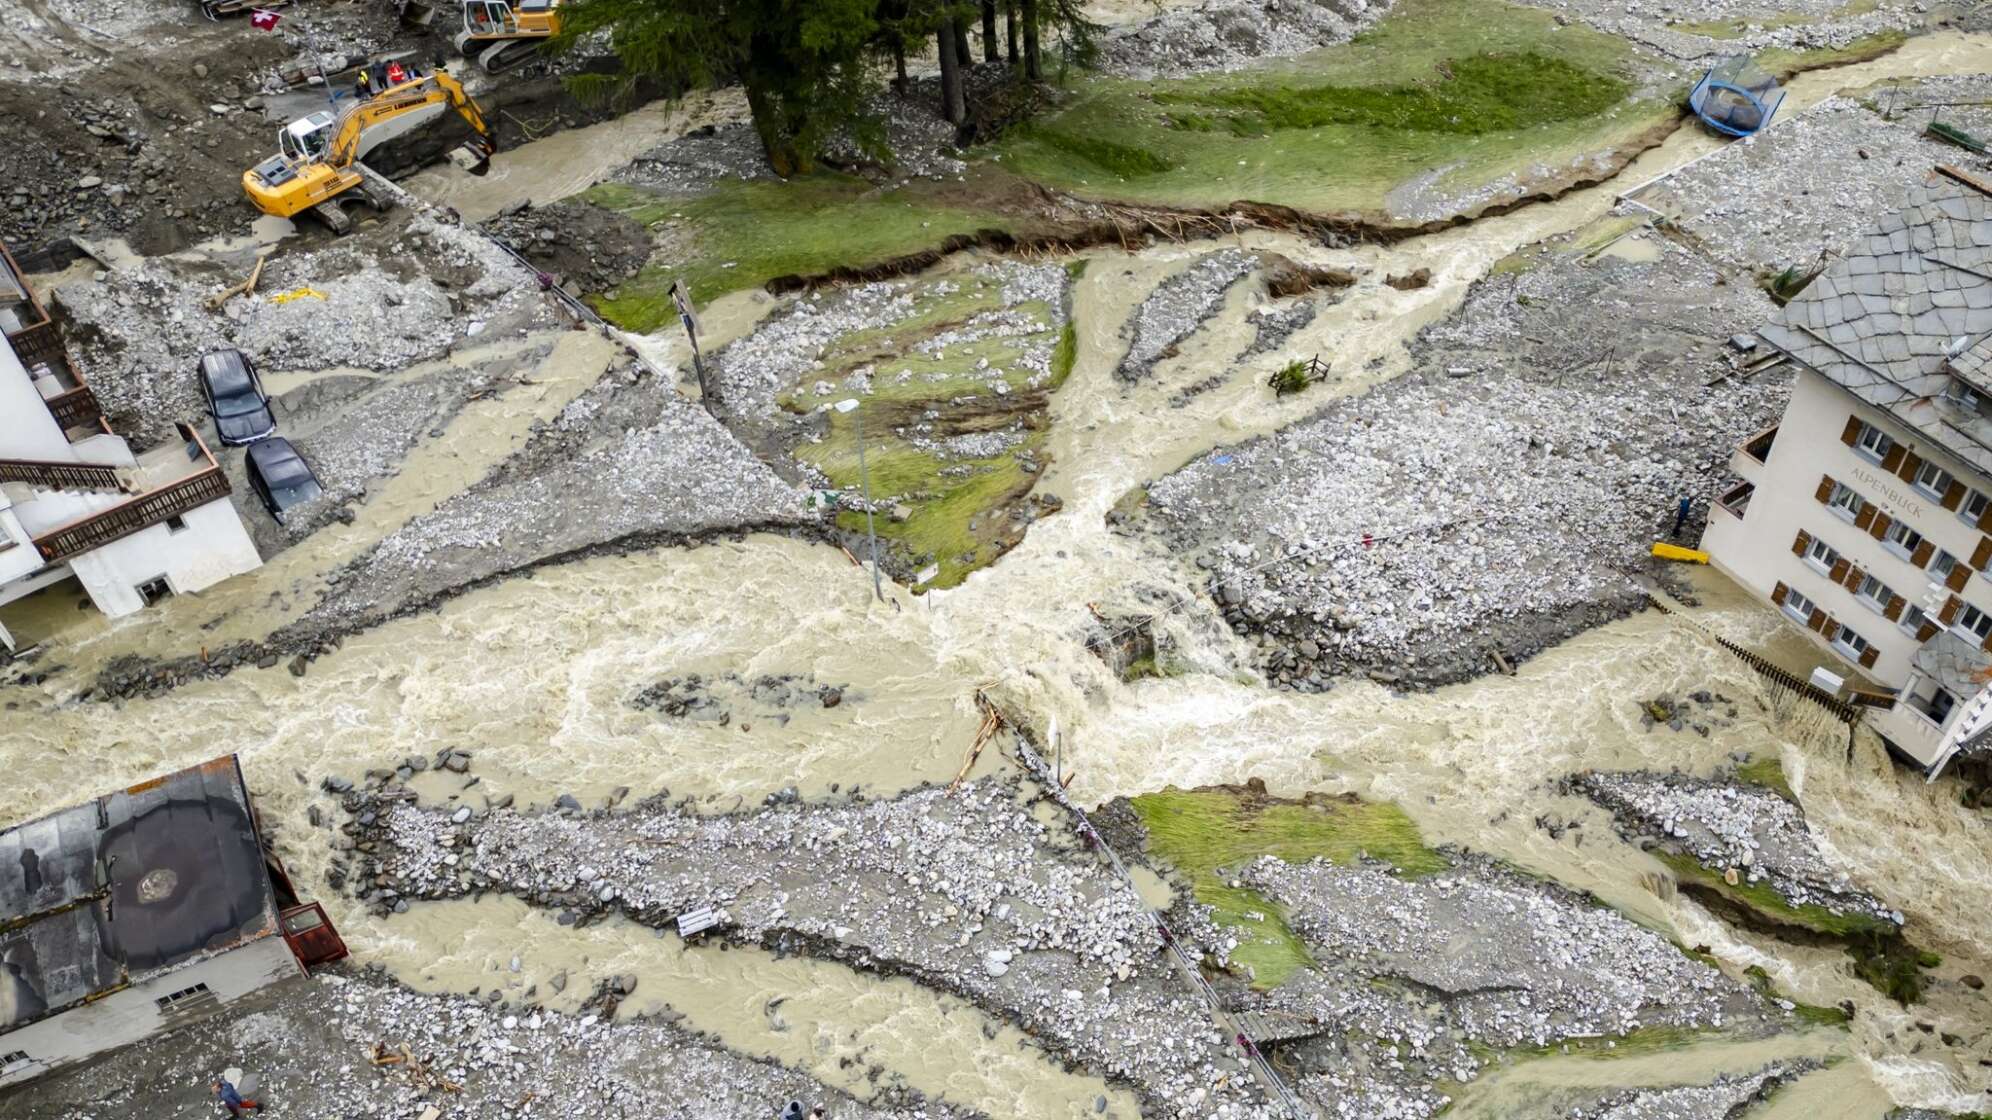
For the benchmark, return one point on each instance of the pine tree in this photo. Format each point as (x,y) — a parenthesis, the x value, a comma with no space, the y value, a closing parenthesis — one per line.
(803,63)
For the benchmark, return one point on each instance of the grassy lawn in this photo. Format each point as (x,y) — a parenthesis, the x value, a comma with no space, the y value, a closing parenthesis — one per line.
(745,233)
(1767,771)
(1477,87)
(957,506)
(1202,833)
(1766,901)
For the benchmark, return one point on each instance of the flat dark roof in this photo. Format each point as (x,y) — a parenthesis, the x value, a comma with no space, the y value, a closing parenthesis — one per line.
(129,885)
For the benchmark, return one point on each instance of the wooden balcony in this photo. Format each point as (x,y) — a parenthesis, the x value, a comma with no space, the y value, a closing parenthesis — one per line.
(60,476)
(202,483)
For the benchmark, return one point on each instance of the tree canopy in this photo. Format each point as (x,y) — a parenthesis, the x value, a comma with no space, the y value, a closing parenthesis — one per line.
(809,67)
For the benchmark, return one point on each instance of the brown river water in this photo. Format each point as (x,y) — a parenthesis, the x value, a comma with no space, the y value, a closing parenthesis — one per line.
(533,676)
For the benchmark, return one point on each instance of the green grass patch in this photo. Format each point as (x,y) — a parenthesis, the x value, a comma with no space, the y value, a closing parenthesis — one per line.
(744,234)
(1766,901)
(1475,89)
(1123,160)
(1811,1013)
(1201,833)
(1469,96)
(1767,771)
(955,509)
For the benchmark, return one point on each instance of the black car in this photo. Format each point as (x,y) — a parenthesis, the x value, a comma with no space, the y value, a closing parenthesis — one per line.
(235,397)
(280,476)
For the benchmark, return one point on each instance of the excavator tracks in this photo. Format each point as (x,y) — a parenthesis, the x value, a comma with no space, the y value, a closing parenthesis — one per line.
(502,56)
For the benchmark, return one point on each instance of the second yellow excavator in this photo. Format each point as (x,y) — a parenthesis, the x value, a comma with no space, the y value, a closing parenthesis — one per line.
(316,165)
(506,33)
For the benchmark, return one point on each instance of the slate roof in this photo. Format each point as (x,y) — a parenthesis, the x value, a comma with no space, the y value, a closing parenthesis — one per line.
(1905,309)
(132,884)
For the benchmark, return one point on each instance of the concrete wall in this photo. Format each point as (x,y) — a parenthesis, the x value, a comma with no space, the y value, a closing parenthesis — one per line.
(1756,550)
(125,1017)
(212,547)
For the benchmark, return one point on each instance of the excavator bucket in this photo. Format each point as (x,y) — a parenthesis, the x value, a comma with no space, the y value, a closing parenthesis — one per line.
(472,157)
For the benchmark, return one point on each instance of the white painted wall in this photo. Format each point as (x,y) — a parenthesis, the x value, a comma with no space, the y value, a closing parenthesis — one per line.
(1756,550)
(213,547)
(27,431)
(125,1017)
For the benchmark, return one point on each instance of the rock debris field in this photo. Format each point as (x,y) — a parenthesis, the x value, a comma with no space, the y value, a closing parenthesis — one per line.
(1725,826)
(1495,499)
(310,1049)
(1219,35)
(977,894)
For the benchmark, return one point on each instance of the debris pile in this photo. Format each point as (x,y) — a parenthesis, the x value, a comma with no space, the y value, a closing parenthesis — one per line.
(1493,500)
(969,892)
(1728,828)
(1228,34)
(1177,307)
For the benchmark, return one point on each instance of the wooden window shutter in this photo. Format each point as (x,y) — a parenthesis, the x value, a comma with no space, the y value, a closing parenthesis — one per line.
(1818,620)
(1893,612)
(1867,658)
(1893,459)
(1926,631)
(1839,571)
(1879,528)
(1852,431)
(1864,518)
(1804,541)
(1954,497)
(1958,574)
(1778,594)
(1910,465)
(1985,519)
(1982,554)
(1948,615)
(1825,490)
(1986,645)
(1921,557)
(1854,577)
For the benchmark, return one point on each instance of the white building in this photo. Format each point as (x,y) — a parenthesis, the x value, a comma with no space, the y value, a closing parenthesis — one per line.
(1866,514)
(75,501)
(138,912)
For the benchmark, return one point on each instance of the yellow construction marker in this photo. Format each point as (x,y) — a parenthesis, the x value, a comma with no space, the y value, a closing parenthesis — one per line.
(297,293)
(1667,551)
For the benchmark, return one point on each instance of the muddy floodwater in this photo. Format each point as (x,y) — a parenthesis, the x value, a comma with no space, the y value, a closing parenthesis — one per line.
(535,675)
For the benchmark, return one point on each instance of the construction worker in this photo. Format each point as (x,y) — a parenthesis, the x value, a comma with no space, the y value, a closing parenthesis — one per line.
(363,85)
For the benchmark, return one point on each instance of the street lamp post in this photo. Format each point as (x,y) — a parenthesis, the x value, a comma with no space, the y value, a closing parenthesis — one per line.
(850,404)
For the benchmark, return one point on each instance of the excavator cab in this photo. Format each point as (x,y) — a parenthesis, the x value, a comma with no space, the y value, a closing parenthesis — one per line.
(507,32)
(307,138)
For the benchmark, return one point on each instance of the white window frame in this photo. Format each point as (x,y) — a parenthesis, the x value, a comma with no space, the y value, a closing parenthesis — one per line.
(13,1060)
(1872,444)
(1905,551)
(1945,476)
(1970,631)
(1821,564)
(174,999)
(1972,507)
(1851,651)
(1804,617)
(1937,559)
(1912,619)
(1878,605)
(1848,509)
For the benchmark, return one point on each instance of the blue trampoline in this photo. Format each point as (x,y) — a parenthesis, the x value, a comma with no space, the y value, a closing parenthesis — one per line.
(1736,97)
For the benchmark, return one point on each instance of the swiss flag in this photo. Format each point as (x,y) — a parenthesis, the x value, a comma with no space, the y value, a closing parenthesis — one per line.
(263,20)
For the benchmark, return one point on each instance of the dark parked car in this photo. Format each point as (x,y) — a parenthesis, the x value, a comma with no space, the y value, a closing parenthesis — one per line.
(235,397)
(280,476)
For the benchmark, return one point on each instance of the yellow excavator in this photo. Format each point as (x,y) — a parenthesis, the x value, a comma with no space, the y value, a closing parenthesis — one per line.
(316,167)
(505,33)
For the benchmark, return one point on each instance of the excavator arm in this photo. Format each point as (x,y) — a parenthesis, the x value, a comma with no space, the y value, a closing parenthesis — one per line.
(399,101)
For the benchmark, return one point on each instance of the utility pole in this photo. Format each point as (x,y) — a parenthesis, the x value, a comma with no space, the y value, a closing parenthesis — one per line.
(682,297)
(850,404)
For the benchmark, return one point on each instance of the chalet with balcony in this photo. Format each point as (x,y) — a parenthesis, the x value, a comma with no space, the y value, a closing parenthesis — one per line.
(76,503)
(140,911)
(1865,516)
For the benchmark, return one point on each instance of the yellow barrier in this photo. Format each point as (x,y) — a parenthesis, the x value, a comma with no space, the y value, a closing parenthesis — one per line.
(298,293)
(1667,551)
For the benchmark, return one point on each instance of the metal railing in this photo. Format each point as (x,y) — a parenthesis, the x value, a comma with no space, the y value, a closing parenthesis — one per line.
(140,513)
(60,476)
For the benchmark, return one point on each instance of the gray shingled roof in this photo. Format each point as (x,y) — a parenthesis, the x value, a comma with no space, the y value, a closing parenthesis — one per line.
(1952,662)
(1904,309)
